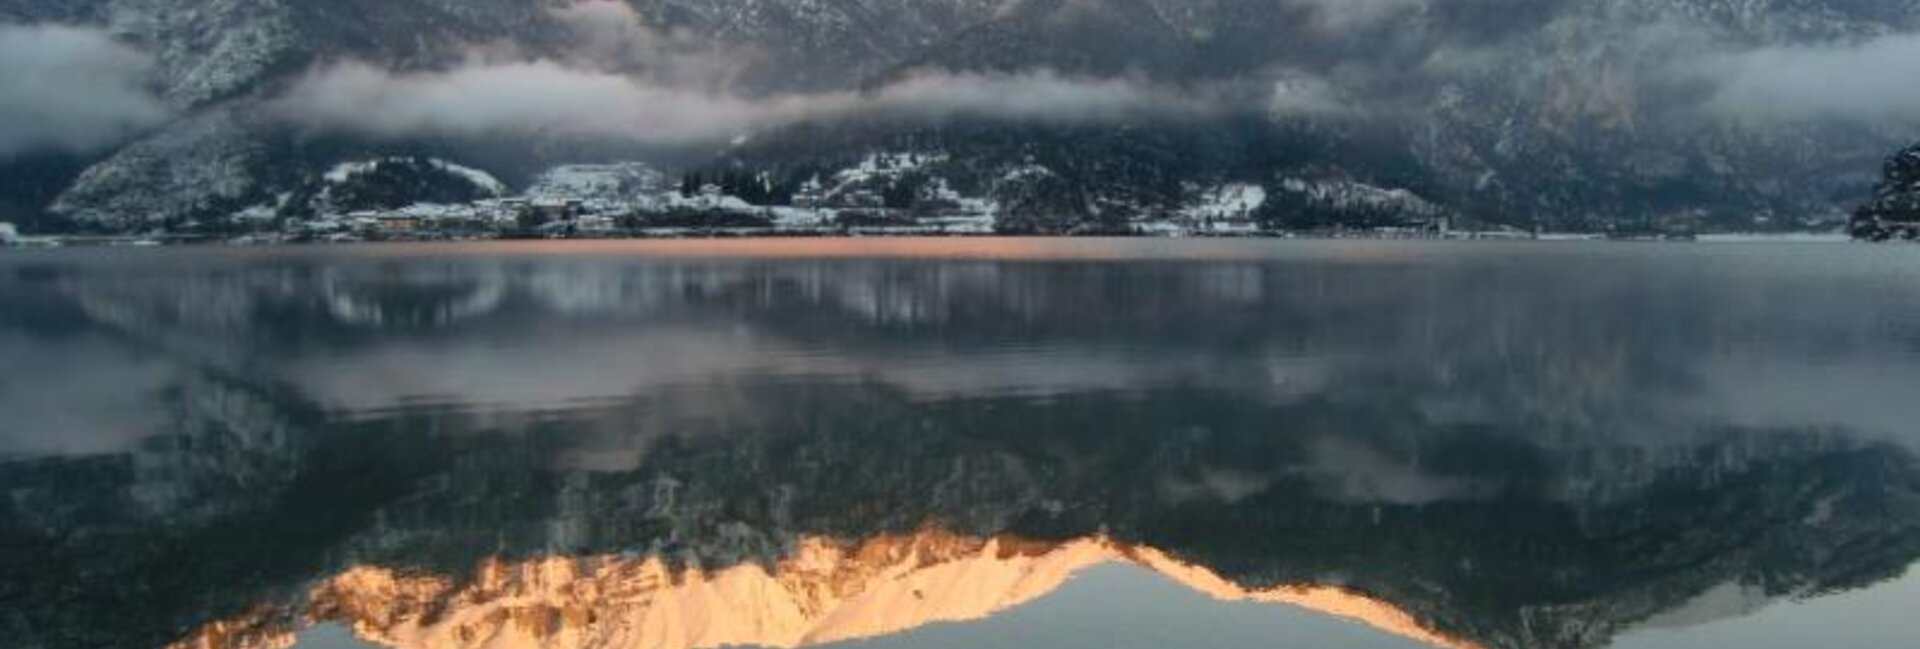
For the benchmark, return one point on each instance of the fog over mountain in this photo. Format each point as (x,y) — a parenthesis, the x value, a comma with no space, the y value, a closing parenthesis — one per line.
(41,107)
(1730,114)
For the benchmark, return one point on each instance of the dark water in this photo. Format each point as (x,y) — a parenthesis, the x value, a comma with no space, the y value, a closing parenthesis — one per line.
(961,444)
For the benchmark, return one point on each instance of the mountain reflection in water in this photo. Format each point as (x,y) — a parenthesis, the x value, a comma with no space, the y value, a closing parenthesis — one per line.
(665,448)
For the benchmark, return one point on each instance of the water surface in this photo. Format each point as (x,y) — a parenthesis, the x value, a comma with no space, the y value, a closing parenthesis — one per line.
(948,443)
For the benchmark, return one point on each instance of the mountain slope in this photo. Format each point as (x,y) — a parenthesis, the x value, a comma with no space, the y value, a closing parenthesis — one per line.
(1583,114)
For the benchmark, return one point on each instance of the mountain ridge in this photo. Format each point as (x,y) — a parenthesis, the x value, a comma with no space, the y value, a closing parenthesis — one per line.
(1569,114)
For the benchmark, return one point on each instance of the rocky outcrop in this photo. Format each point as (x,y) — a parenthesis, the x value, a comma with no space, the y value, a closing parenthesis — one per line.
(1894,212)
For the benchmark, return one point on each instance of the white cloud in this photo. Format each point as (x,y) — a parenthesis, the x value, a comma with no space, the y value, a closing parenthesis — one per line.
(552,98)
(621,78)
(532,98)
(71,89)
(1037,95)
(1876,80)
(1308,95)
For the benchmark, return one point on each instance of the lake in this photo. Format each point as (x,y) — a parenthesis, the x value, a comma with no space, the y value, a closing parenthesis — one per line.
(922,444)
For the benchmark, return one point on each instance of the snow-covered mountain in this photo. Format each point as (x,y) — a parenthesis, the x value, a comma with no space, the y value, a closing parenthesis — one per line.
(1564,113)
(827,592)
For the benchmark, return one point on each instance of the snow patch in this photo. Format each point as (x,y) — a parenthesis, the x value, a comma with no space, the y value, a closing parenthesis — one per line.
(345,171)
(1230,201)
(618,182)
(1353,195)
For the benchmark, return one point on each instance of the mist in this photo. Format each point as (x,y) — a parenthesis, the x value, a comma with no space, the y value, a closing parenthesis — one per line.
(623,79)
(549,98)
(1877,80)
(73,90)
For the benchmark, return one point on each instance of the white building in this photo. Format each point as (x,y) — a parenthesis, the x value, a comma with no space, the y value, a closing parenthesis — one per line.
(810,195)
(1241,226)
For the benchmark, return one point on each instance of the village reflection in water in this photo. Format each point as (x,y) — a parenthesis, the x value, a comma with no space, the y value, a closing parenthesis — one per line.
(498,450)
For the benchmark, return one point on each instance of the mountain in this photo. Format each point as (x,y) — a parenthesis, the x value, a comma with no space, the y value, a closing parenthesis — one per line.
(1561,122)
(1577,114)
(212,62)
(827,592)
(818,45)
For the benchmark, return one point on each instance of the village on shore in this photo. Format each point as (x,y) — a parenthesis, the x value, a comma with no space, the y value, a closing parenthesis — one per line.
(630,201)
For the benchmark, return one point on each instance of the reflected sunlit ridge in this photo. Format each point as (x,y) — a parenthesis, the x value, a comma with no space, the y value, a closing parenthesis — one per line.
(826,592)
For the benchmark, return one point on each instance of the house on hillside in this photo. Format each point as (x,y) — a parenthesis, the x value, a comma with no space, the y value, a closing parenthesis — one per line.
(810,195)
(550,211)
(861,199)
(397,224)
(1229,226)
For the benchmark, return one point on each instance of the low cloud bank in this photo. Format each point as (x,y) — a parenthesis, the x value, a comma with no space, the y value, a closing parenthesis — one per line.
(623,79)
(1877,80)
(547,98)
(71,89)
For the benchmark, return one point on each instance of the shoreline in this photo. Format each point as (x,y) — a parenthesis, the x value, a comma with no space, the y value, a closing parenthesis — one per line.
(277,240)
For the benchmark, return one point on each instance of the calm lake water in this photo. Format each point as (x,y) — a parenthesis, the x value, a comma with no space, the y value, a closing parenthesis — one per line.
(961,443)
